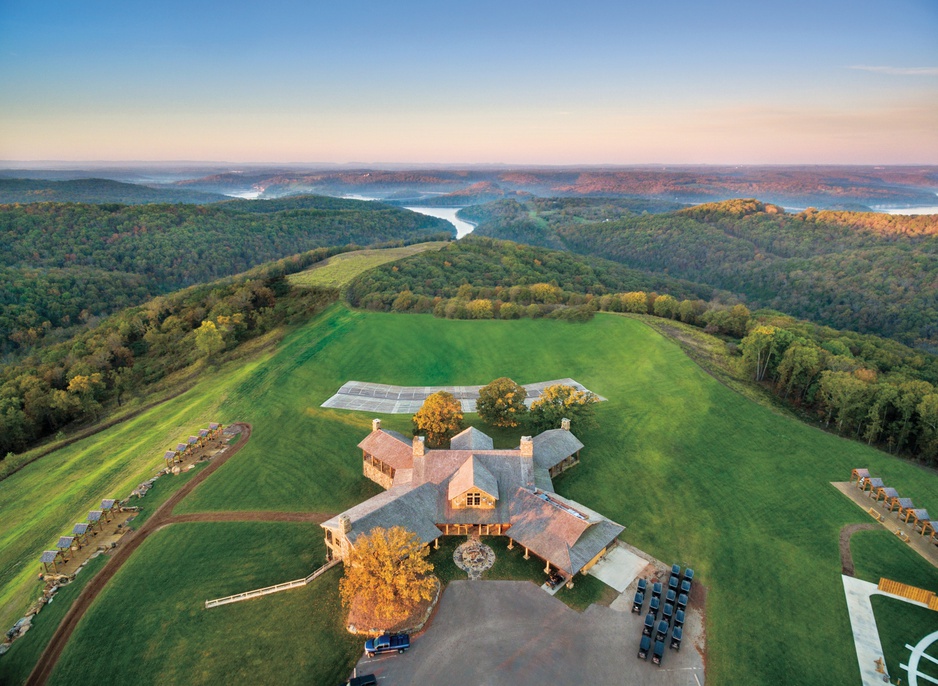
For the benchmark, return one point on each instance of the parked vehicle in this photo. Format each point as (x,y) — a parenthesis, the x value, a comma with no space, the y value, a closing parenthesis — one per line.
(662,632)
(688,574)
(659,653)
(656,590)
(387,644)
(675,570)
(654,605)
(682,601)
(667,613)
(685,587)
(642,585)
(649,627)
(671,597)
(638,601)
(673,583)
(676,637)
(363,680)
(644,648)
(679,618)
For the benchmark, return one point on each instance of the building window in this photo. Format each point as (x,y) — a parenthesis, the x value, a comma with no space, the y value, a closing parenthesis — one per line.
(473,499)
(329,535)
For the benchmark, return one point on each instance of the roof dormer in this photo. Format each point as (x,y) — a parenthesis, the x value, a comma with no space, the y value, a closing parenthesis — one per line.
(473,486)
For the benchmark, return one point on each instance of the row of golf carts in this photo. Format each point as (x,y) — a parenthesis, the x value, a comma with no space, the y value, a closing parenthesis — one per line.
(655,631)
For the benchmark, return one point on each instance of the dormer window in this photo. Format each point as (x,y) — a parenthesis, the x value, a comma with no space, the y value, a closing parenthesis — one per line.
(473,499)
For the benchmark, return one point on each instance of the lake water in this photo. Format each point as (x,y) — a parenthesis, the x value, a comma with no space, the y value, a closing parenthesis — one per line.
(449,214)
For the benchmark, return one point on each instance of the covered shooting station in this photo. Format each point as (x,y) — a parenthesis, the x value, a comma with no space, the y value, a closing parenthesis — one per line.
(49,559)
(858,475)
(64,546)
(919,518)
(109,507)
(80,532)
(193,442)
(182,449)
(214,429)
(203,436)
(886,493)
(872,484)
(904,506)
(94,519)
(170,456)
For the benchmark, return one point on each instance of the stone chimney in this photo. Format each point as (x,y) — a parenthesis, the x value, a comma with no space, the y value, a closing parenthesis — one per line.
(564,423)
(345,524)
(420,448)
(376,425)
(527,446)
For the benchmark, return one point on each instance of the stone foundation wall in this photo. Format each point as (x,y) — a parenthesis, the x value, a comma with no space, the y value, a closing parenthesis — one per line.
(376,475)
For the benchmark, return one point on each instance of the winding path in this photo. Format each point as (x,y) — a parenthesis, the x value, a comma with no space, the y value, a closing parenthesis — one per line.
(163,516)
(846,559)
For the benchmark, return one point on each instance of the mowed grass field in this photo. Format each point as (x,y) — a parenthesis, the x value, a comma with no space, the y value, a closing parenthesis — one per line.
(339,270)
(698,474)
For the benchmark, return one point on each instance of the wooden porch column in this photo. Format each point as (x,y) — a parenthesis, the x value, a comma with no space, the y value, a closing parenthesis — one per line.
(547,568)
(511,544)
(436,543)
(526,556)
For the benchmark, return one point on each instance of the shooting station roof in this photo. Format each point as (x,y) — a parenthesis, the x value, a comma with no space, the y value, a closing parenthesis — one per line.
(170,455)
(203,433)
(921,515)
(180,447)
(49,556)
(65,542)
(876,483)
(193,439)
(107,503)
(94,515)
(80,528)
(890,492)
(213,425)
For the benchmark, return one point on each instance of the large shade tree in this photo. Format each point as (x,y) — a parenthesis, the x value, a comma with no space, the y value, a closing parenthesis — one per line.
(439,418)
(558,402)
(387,572)
(501,403)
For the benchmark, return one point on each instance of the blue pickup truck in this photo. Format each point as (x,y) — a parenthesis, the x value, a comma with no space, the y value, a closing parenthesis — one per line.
(387,644)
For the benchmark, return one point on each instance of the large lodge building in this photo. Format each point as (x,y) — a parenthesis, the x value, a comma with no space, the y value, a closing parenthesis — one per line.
(474,488)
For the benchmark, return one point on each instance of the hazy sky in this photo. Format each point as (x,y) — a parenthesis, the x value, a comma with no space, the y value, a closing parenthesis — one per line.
(515,82)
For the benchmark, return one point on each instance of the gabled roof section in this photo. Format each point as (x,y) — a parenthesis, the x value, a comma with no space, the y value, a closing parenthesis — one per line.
(472,476)
(471,439)
(554,446)
(412,509)
(559,530)
(392,448)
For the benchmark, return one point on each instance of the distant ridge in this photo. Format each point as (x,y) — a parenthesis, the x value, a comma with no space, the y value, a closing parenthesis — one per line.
(14,190)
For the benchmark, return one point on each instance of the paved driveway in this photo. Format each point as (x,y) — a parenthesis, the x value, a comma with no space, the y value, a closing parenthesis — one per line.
(488,633)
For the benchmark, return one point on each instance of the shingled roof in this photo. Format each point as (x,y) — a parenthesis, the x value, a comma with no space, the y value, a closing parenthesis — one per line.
(392,448)
(554,446)
(559,530)
(473,475)
(400,506)
(471,439)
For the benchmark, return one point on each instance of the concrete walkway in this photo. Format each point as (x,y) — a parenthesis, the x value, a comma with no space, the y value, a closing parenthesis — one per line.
(385,399)
(865,634)
(619,568)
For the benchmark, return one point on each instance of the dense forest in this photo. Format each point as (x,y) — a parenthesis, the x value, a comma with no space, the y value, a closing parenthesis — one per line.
(127,353)
(502,272)
(861,385)
(63,264)
(96,191)
(873,273)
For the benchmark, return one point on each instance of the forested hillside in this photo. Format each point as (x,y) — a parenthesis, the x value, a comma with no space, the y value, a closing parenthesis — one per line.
(127,353)
(64,263)
(867,272)
(97,190)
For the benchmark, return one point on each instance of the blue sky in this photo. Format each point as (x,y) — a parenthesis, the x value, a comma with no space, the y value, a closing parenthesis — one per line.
(518,82)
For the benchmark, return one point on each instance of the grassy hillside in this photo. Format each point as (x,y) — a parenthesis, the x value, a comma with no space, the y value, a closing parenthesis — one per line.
(697,474)
(338,271)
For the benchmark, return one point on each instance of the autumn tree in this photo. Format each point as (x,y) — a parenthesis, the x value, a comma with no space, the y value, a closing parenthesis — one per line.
(501,403)
(439,418)
(558,402)
(208,339)
(388,573)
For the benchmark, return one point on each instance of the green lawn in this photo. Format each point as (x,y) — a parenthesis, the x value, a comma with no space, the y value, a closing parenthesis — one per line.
(339,270)
(150,627)
(877,554)
(698,474)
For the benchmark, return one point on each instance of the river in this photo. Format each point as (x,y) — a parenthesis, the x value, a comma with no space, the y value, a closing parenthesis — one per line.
(449,214)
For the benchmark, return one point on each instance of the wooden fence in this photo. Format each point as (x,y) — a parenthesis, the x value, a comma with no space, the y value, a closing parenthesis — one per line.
(257,593)
(911,592)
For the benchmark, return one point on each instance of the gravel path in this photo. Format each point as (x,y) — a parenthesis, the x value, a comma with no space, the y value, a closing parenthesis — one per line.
(846,559)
